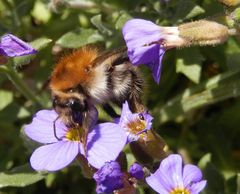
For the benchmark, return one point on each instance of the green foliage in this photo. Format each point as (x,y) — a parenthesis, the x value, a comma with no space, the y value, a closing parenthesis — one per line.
(196,106)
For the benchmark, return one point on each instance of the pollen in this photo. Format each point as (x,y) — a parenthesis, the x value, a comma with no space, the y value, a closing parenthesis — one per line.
(136,126)
(179,191)
(73,134)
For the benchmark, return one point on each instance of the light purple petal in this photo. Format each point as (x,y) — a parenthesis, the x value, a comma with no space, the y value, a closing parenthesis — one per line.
(170,172)
(196,188)
(139,32)
(125,111)
(55,156)
(104,143)
(41,129)
(155,184)
(191,174)
(12,46)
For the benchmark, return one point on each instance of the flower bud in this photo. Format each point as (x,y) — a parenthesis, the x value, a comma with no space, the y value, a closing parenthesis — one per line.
(230,2)
(136,171)
(109,178)
(203,32)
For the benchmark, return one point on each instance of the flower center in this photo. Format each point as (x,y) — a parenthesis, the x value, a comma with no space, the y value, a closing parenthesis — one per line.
(74,134)
(136,126)
(179,191)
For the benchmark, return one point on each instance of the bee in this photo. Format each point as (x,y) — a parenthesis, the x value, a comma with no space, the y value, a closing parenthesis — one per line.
(87,77)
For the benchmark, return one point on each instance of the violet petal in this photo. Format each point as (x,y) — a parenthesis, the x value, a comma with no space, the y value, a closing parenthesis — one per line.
(109,178)
(136,171)
(191,174)
(41,129)
(139,33)
(12,46)
(196,188)
(156,184)
(156,63)
(104,143)
(169,173)
(54,156)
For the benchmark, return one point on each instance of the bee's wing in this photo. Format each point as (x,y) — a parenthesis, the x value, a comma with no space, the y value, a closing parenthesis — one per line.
(112,58)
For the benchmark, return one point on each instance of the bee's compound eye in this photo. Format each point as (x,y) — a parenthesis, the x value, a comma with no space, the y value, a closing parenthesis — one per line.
(141,117)
(75,106)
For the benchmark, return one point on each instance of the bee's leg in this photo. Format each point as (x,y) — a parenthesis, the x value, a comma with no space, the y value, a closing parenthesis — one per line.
(85,126)
(134,100)
(54,129)
(110,111)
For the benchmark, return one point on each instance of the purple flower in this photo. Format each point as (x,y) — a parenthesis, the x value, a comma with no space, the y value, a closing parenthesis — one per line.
(12,46)
(109,178)
(172,178)
(136,171)
(147,43)
(104,142)
(135,124)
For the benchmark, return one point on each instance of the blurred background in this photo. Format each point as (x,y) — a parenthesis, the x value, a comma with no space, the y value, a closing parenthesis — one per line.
(196,106)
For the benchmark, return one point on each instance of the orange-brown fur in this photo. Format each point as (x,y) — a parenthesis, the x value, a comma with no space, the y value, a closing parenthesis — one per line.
(74,69)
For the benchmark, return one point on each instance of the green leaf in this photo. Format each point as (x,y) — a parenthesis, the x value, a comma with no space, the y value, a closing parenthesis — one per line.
(187,10)
(41,12)
(6,98)
(97,21)
(79,37)
(215,179)
(122,20)
(188,63)
(216,89)
(205,160)
(238,183)
(233,54)
(38,44)
(19,177)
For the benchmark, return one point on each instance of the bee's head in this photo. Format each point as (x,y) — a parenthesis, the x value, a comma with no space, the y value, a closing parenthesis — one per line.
(70,106)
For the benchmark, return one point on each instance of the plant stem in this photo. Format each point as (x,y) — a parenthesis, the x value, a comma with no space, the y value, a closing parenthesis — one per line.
(14,77)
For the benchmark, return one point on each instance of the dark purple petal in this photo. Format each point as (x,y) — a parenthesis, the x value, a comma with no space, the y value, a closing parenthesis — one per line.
(12,46)
(41,129)
(104,143)
(155,183)
(136,171)
(109,178)
(156,63)
(148,119)
(54,156)
(143,39)
(196,188)
(191,174)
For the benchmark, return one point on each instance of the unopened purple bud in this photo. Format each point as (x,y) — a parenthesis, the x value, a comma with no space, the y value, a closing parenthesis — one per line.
(136,171)
(109,178)
(12,46)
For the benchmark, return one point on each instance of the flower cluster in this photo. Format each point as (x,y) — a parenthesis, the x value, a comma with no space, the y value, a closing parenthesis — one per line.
(110,177)
(172,178)
(62,144)
(57,153)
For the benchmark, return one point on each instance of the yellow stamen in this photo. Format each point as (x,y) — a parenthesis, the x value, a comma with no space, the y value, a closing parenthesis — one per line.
(74,134)
(179,191)
(136,126)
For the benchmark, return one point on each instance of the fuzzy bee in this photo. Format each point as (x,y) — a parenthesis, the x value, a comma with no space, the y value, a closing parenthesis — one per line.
(87,77)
